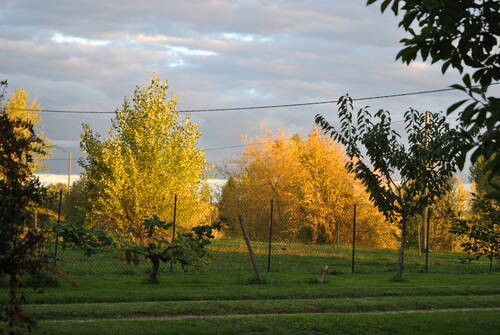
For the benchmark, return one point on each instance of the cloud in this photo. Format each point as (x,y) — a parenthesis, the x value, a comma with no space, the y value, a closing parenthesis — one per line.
(215,53)
(61,39)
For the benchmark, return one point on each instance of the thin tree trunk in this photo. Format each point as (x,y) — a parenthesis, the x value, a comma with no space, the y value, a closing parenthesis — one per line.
(399,273)
(153,276)
(13,308)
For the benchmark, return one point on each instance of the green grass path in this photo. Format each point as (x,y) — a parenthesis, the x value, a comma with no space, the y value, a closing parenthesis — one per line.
(453,323)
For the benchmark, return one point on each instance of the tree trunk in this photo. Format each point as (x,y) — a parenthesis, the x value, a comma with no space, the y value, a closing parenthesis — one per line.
(399,273)
(13,309)
(153,276)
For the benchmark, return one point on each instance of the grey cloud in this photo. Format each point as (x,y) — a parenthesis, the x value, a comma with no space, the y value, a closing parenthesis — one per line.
(228,53)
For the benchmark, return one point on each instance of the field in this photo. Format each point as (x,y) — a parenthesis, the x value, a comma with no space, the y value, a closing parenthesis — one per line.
(113,297)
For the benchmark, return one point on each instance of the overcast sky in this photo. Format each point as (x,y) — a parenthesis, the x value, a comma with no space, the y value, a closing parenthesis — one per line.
(88,55)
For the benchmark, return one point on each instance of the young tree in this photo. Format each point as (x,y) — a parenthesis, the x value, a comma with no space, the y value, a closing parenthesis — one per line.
(150,156)
(480,230)
(378,156)
(186,248)
(21,247)
(463,35)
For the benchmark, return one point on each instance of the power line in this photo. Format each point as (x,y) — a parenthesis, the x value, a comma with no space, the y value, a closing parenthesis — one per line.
(258,107)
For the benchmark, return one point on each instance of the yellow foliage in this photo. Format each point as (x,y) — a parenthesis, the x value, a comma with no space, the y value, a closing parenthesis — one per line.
(19,107)
(313,193)
(151,155)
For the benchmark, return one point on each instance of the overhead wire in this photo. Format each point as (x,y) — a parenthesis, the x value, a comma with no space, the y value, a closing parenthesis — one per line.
(395,95)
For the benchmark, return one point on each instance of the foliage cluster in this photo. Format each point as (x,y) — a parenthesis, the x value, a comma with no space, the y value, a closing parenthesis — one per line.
(22,246)
(464,35)
(378,155)
(188,248)
(479,231)
(150,156)
(312,191)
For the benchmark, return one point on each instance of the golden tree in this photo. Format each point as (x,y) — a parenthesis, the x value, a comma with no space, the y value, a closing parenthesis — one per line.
(19,107)
(312,192)
(151,155)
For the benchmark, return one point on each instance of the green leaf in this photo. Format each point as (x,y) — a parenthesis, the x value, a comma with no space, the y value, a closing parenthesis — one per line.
(455,106)
(384,5)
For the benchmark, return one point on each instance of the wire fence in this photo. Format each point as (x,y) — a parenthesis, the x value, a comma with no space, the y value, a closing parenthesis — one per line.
(351,249)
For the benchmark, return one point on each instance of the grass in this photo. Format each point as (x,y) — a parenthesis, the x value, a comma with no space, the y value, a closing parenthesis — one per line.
(478,322)
(278,306)
(105,277)
(111,288)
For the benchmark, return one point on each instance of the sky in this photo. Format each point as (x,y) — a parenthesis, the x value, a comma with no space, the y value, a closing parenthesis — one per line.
(89,55)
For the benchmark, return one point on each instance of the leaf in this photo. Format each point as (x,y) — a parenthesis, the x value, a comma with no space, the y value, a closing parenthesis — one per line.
(384,5)
(453,107)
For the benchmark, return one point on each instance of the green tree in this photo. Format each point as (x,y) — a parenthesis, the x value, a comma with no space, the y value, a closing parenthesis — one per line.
(187,248)
(480,230)
(151,155)
(462,34)
(22,246)
(378,156)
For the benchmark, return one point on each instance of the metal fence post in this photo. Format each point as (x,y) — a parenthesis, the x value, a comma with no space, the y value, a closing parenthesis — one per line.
(175,216)
(353,238)
(173,229)
(270,238)
(58,222)
(427,240)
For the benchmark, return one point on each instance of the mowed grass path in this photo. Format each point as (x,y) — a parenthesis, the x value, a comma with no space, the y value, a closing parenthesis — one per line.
(452,323)
(111,289)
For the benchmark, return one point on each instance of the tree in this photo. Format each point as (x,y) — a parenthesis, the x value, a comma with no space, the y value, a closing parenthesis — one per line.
(453,203)
(378,156)
(464,35)
(150,156)
(186,248)
(21,250)
(19,107)
(312,191)
(480,230)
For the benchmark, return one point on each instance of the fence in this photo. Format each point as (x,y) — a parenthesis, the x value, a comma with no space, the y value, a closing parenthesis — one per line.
(350,251)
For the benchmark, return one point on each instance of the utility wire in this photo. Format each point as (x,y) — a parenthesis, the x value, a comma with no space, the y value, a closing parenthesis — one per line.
(259,107)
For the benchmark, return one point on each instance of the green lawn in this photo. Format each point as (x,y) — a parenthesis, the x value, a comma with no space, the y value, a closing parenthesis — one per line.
(278,306)
(109,288)
(442,323)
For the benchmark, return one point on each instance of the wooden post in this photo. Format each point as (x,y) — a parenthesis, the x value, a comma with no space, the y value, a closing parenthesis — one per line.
(270,238)
(69,171)
(423,235)
(324,272)
(250,250)
(427,240)
(353,238)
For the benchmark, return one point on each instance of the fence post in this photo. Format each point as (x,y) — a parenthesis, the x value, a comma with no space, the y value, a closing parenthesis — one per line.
(270,238)
(58,222)
(175,216)
(250,250)
(173,229)
(353,238)
(427,240)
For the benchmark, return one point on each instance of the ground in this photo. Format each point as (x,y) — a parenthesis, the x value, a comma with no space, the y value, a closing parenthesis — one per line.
(222,297)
